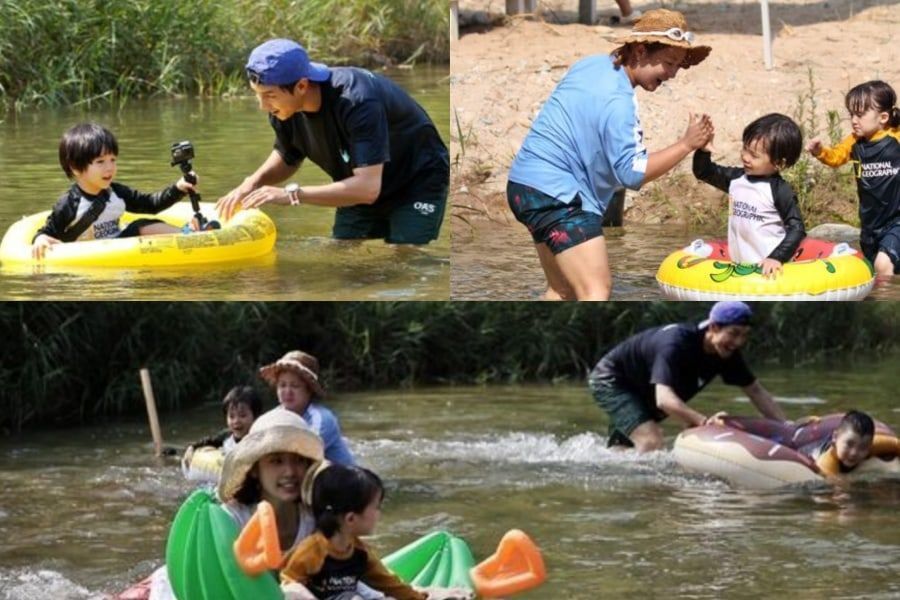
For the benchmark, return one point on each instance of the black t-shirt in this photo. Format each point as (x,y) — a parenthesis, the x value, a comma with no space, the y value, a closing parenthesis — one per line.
(339,576)
(671,355)
(365,119)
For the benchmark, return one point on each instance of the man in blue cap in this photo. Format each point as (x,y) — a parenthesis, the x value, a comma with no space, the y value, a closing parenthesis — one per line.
(653,374)
(390,168)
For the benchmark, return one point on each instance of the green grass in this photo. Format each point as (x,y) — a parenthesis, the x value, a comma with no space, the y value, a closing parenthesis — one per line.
(89,51)
(818,186)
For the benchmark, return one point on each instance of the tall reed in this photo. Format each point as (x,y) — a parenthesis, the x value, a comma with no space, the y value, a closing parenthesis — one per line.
(818,187)
(86,51)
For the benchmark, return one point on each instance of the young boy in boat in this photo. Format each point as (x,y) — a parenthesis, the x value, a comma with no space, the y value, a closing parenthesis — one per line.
(653,374)
(850,444)
(241,406)
(764,224)
(92,207)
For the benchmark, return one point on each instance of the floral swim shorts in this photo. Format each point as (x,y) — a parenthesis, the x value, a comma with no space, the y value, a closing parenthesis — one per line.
(550,221)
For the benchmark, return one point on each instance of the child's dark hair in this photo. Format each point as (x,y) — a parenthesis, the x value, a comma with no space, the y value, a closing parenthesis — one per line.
(780,136)
(341,489)
(243,394)
(82,143)
(874,94)
(858,422)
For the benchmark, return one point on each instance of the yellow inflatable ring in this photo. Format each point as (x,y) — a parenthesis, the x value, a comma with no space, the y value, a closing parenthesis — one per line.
(203,465)
(820,270)
(249,234)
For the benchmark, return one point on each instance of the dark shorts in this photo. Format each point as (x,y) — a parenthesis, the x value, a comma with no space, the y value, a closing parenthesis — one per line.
(134,228)
(550,221)
(414,217)
(626,410)
(887,241)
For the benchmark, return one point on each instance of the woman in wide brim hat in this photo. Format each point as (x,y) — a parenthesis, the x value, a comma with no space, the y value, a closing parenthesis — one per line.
(271,463)
(295,377)
(662,27)
(587,143)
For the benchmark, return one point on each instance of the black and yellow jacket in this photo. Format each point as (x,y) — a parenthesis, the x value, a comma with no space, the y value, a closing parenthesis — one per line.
(876,165)
(327,572)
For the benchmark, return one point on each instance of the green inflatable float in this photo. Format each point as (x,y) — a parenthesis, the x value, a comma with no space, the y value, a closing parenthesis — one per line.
(200,559)
(202,565)
(439,559)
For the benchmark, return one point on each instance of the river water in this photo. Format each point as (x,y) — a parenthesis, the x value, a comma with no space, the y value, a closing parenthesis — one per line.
(86,511)
(231,139)
(497,261)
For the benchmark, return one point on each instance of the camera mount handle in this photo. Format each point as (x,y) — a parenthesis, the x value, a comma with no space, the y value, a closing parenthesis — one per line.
(186,169)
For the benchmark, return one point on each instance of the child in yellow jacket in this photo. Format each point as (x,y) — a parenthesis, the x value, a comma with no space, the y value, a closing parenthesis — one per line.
(329,564)
(874,150)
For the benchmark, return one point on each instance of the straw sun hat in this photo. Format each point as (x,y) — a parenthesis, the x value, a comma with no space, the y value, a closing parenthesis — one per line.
(669,27)
(278,430)
(303,364)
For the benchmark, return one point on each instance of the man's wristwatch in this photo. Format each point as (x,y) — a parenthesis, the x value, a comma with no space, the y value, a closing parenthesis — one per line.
(293,192)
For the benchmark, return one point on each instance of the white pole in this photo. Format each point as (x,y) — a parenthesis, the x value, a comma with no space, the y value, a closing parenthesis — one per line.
(454,20)
(151,411)
(587,12)
(767,33)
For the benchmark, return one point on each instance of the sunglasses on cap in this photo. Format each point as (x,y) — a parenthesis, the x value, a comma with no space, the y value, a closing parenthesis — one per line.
(254,77)
(675,33)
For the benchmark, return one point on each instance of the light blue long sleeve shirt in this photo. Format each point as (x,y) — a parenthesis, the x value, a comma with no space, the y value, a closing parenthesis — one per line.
(323,422)
(326,425)
(587,139)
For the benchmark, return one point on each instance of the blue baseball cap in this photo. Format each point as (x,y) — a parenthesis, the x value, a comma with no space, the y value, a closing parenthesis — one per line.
(281,62)
(728,312)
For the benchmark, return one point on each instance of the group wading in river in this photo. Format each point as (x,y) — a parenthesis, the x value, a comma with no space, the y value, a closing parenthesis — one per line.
(292,502)
(587,143)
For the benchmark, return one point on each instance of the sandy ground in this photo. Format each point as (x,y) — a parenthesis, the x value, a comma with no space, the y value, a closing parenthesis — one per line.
(501,73)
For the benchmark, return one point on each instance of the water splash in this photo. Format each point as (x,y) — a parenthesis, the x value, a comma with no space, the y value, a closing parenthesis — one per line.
(514,448)
(40,584)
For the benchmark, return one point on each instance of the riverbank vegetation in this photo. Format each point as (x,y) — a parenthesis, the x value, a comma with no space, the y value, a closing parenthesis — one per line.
(75,51)
(70,363)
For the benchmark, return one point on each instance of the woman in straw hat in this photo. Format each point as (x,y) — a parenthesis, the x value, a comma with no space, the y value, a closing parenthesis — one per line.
(277,462)
(295,377)
(587,141)
(270,464)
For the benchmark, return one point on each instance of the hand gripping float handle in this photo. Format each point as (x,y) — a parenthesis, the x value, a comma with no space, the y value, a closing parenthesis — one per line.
(516,566)
(257,549)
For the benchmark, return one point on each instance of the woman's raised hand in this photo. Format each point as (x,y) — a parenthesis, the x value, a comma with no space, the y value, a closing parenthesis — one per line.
(700,131)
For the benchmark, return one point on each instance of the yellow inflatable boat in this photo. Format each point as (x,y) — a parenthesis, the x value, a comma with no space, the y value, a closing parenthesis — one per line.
(249,234)
(820,270)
